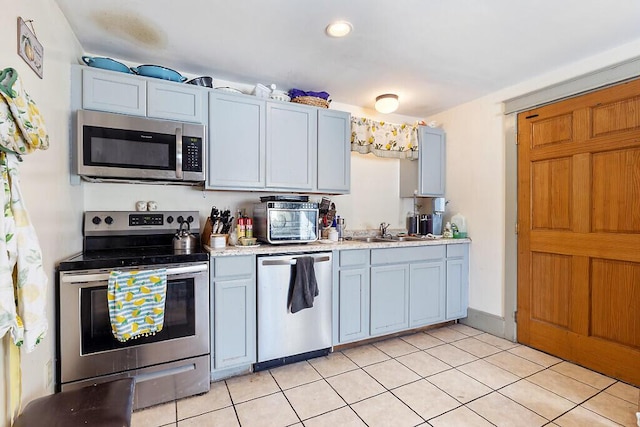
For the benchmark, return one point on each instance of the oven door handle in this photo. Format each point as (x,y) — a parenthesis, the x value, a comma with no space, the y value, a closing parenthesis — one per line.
(103,277)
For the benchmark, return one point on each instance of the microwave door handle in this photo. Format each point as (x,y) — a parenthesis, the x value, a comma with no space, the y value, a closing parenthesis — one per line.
(179,153)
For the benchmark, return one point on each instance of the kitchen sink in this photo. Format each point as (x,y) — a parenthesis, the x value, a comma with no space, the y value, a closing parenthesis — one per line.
(404,239)
(370,239)
(387,239)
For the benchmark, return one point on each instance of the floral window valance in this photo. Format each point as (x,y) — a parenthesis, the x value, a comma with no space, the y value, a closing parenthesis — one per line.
(384,139)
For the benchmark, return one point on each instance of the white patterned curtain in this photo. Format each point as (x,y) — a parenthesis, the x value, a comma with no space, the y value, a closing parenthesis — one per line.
(384,139)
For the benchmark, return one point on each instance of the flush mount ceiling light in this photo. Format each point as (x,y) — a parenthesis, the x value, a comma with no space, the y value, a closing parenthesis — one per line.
(387,103)
(339,29)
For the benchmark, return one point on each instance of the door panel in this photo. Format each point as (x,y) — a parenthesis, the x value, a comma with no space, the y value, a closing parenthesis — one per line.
(579,230)
(616,191)
(617,116)
(553,130)
(550,192)
(550,288)
(615,301)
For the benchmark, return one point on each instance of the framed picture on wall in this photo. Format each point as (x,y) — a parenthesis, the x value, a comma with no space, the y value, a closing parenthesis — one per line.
(29,48)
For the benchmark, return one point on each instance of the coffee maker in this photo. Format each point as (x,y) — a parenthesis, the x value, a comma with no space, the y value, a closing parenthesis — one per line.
(438,206)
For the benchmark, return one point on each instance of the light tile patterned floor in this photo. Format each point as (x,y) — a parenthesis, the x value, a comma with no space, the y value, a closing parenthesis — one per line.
(450,376)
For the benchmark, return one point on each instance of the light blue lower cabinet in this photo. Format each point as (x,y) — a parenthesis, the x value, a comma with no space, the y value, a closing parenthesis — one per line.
(389,298)
(427,293)
(233,313)
(457,281)
(353,304)
(383,291)
(350,295)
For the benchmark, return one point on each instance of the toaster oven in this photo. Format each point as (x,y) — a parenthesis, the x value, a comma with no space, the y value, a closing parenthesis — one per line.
(278,222)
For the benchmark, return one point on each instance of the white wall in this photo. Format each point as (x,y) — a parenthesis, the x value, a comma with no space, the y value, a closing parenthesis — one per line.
(54,206)
(476,173)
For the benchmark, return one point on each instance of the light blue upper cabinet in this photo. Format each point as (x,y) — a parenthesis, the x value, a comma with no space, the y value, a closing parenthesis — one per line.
(291,146)
(427,174)
(174,101)
(237,147)
(142,96)
(334,151)
(257,144)
(114,92)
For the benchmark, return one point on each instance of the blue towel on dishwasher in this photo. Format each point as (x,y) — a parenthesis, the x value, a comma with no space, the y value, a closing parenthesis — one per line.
(305,286)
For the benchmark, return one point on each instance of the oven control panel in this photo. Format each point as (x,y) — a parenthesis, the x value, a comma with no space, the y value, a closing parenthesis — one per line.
(146,219)
(102,223)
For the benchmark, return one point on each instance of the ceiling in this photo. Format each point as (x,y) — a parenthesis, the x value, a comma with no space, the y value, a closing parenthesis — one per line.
(434,54)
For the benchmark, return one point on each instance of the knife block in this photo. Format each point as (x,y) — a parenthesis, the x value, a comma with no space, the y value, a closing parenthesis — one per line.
(205,237)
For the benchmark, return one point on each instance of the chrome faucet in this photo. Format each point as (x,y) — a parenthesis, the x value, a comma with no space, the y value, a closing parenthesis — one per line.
(383,230)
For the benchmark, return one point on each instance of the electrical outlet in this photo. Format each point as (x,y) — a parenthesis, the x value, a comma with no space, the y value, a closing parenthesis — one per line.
(48,374)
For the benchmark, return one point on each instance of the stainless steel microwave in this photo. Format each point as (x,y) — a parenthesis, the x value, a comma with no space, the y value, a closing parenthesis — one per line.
(286,222)
(136,148)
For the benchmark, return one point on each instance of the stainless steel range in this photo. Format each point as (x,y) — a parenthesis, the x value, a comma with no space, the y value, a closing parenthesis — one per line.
(171,364)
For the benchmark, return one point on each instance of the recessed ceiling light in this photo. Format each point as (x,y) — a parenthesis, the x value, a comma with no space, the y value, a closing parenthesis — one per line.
(339,28)
(387,103)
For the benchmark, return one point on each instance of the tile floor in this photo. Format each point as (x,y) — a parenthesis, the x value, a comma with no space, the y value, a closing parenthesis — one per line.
(451,376)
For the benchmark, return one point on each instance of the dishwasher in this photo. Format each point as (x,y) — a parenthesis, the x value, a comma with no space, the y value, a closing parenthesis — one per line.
(285,337)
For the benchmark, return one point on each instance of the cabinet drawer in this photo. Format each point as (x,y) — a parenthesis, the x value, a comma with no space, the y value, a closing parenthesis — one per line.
(233,266)
(408,254)
(354,257)
(458,250)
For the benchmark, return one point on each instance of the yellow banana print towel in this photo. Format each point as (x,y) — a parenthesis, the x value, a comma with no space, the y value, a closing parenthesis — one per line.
(136,302)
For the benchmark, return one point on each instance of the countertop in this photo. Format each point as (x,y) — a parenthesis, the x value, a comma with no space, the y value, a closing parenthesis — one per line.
(325,245)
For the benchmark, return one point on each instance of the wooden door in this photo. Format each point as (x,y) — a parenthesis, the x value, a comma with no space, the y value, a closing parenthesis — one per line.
(579,230)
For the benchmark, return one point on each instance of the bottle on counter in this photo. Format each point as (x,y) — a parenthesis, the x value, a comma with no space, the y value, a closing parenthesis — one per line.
(448,232)
(240,225)
(340,226)
(248,227)
(461,225)
(412,223)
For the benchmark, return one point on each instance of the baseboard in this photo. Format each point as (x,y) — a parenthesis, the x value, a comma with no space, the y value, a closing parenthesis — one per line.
(221,374)
(487,322)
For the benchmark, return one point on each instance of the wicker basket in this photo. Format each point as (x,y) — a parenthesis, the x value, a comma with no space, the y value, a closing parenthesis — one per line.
(312,100)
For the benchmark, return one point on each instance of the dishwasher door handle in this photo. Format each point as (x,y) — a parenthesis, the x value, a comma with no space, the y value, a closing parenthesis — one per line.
(293,261)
